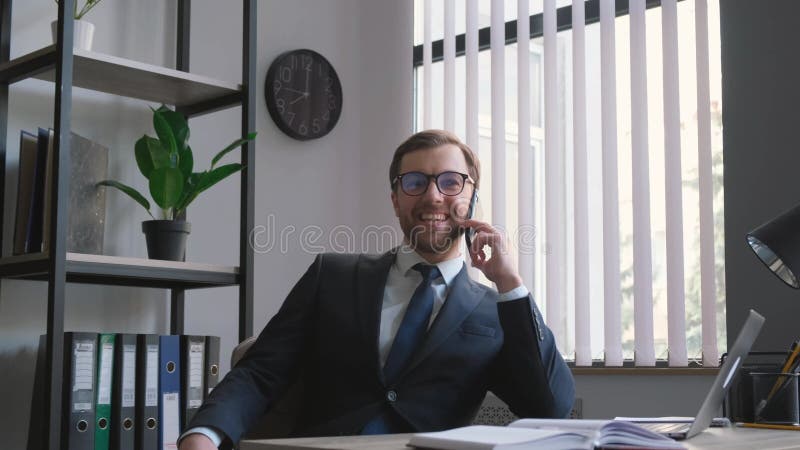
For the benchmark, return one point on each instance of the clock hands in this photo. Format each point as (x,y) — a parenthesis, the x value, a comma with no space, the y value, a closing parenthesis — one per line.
(295,91)
(302,95)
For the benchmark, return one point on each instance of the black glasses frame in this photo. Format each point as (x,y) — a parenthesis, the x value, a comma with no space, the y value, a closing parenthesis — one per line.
(464,176)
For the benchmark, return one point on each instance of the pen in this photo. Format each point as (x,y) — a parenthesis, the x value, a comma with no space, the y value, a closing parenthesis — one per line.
(789,364)
(771,426)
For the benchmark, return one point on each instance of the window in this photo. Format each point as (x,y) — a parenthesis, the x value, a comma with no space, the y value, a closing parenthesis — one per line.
(532,240)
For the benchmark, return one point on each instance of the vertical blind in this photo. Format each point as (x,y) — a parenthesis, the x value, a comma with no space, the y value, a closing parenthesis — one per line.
(642,243)
(569,216)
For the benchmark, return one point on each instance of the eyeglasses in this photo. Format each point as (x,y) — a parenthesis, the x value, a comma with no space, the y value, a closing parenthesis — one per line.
(448,183)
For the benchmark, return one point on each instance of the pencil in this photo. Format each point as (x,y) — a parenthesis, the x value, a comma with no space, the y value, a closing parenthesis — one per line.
(771,426)
(779,381)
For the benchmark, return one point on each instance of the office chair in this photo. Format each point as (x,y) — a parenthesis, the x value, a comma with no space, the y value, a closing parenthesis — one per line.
(280,420)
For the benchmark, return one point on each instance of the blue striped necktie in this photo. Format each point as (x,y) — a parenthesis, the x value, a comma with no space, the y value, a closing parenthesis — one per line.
(414,326)
(408,340)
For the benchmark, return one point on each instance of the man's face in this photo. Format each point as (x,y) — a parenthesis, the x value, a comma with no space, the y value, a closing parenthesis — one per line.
(430,221)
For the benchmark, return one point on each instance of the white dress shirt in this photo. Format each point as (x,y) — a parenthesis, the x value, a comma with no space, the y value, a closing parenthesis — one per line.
(401,283)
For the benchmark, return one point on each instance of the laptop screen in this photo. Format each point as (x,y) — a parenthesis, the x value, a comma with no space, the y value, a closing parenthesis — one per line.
(739,350)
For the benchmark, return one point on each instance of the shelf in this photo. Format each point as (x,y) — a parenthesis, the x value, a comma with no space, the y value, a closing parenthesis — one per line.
(193,94)
(123,271)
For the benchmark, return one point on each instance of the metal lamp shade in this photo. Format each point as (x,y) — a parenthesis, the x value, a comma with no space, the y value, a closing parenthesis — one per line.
(777,244)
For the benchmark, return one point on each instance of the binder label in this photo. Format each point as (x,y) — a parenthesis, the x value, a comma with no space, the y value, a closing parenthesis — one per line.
(84,366)
(104,382)
(195,391)
(171,420)
(151,383)
(128,375)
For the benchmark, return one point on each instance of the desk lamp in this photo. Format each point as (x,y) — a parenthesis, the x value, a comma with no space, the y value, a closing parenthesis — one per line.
(777,245)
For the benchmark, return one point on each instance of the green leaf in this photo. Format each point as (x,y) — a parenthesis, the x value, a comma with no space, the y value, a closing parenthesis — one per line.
(205,180)
(143,157)
(178,124)
(133,193)
(166,186)
(150,154)
(215,176)
(230,147)
(158,154)
(186,162)
(190,191)
(165,135)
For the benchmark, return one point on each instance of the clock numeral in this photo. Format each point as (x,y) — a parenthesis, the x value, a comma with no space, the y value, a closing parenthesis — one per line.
(276,86)
(326,116)
(291,117)
(315,126)
(328,84)
(331,102)
(286,74)
(281,104)
(302,129)
(294,62)
(307,62)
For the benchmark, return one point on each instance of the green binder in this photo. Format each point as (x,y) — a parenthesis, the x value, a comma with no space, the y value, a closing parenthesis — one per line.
(105,369)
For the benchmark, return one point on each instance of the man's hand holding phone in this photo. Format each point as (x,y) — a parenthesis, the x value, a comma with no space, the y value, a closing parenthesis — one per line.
(499,266)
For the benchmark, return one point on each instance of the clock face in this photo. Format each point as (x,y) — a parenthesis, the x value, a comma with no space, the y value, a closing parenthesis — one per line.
(303,94)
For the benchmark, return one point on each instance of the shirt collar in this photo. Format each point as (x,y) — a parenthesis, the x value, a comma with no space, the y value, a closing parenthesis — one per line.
(407,258)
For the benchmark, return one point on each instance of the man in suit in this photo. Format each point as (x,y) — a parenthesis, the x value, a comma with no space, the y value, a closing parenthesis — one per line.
(404,341)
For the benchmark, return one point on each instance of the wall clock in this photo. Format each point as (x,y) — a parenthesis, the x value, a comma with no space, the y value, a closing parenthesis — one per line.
(303,94)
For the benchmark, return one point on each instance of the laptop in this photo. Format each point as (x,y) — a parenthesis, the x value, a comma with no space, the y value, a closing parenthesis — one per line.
(712,403)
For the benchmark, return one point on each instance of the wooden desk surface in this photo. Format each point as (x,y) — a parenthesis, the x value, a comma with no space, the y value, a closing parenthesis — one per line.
(713,438)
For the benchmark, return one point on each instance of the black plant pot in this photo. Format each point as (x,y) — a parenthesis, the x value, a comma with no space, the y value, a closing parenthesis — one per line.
(166,239)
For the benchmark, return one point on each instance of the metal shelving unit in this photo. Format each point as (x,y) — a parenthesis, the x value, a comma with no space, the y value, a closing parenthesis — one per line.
(120,271)
(191,95)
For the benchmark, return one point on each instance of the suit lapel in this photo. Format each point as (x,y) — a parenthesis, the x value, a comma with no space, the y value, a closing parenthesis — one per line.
(371,275)
(463,298)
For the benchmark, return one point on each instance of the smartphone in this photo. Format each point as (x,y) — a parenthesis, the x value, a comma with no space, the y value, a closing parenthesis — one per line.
(469,232)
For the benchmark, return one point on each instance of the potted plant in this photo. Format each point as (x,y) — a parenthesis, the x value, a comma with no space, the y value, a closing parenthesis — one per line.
(83,30)
(167,163)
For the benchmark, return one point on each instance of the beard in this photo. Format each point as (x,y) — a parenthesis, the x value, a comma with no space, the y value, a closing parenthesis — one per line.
(425,238)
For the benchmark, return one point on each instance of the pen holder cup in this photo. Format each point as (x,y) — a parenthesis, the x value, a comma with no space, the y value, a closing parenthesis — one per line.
(776,395)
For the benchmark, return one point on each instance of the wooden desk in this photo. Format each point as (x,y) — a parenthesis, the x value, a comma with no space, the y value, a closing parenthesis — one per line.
(713,438)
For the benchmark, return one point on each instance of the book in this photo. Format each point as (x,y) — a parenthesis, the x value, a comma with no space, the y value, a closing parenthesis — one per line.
(33,238)
(211,375)
(79,387)
(193,368)
(28,152)
(147,401)
(549,434)
(79,391)
(123,393)
(87,202)
(169,391)
(105,380)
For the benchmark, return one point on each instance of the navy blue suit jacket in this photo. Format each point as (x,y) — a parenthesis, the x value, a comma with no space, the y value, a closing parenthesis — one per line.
(326,334)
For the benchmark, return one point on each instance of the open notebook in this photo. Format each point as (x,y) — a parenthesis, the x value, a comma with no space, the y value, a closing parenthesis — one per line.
(550,434)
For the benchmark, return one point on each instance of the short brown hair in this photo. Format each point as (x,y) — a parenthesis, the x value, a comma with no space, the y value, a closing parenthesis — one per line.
(429,139)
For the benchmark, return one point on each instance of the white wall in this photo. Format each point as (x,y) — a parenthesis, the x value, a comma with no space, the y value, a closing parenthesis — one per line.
(337,183)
